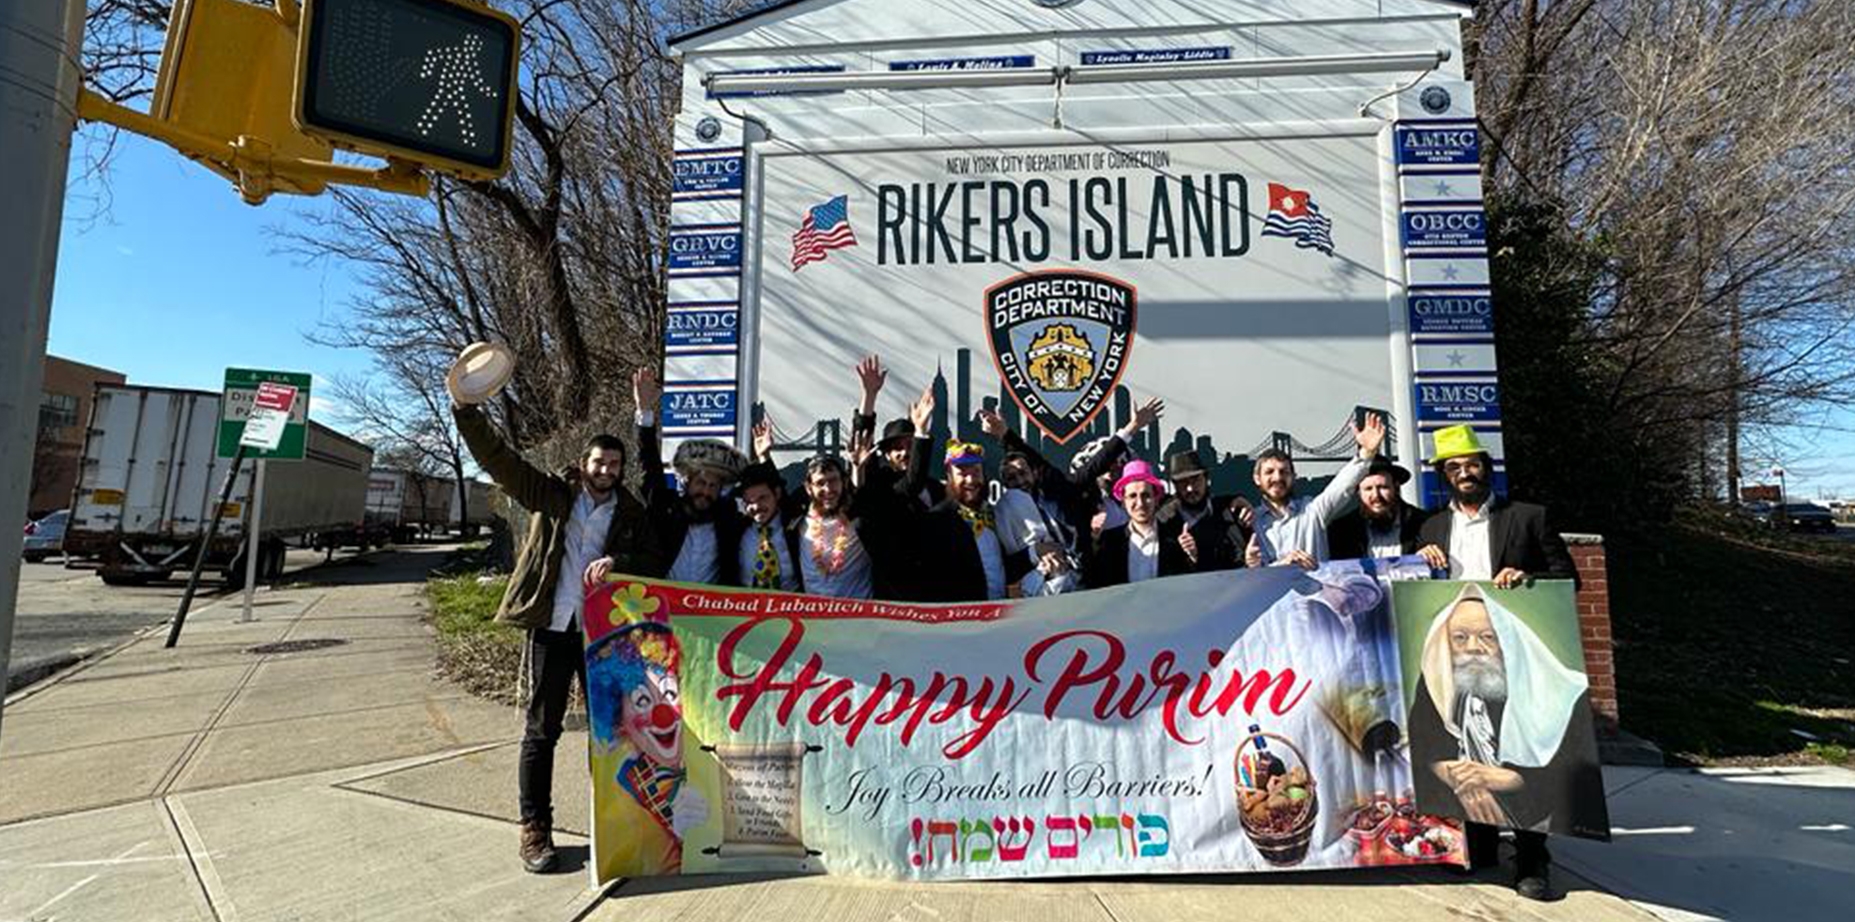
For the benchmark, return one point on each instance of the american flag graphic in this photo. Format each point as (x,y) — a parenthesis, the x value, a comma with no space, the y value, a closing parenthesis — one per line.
(1293,214)
(826,227)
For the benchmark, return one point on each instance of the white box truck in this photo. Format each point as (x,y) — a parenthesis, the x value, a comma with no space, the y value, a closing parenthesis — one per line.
(1269,214)
(471,508)
(150,476)
(404,505)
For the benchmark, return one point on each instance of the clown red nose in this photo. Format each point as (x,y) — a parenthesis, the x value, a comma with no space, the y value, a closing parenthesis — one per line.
(663,717)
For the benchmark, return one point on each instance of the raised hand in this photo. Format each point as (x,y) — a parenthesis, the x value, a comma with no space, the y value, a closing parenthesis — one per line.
(871,375)
(1371,437)
(922,413)
(646,393)
(992,424)
(763,439)
(1149,413)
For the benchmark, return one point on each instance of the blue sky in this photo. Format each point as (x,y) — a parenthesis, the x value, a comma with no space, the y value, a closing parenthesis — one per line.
(177,279)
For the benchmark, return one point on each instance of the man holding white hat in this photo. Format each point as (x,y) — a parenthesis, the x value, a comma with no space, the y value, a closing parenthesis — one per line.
(583,524)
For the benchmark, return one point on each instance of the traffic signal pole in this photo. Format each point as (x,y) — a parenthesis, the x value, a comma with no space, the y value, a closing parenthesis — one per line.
(39,43)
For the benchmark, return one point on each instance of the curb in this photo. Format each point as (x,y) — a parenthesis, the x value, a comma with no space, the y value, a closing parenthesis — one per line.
(32,672)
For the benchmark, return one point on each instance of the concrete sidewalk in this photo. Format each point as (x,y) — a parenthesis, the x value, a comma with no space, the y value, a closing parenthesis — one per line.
(339,779)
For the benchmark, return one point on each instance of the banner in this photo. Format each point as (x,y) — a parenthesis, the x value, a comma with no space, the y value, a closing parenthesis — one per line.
(1241,721)
(1500,709)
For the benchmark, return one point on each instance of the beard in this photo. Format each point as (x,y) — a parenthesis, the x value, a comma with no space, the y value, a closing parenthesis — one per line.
(1381,516)
(1480,675)
(1470,490)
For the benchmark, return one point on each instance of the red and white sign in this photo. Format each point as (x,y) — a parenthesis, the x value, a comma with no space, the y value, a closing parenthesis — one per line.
(270,412)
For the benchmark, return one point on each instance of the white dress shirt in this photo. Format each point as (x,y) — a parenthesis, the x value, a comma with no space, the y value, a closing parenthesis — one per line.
(1142,554)
(698,561)
(750,554)
(1469,553)
(584,541)
(1303,525)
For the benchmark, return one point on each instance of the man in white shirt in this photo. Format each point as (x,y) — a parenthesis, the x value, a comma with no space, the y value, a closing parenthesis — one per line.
(584,524)
(1292,530)
(1144,548)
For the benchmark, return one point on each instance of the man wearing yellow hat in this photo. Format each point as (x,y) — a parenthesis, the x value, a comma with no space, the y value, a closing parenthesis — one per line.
(1486,537)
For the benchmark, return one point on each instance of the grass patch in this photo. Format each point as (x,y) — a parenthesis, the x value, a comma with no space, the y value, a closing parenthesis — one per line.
(1729,640)
(474,649)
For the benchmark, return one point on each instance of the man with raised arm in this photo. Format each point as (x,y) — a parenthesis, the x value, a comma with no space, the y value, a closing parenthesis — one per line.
(583,524)
(697,524)
(1292,530)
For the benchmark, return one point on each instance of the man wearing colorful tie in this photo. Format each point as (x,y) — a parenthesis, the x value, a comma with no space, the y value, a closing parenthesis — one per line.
(958,544)
(767,558)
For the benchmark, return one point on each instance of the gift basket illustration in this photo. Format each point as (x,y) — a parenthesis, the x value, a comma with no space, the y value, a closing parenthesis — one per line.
(1277,800)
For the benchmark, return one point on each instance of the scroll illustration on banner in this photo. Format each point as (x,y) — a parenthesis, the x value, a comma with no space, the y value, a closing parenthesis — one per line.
(1500,712)
(1237,721)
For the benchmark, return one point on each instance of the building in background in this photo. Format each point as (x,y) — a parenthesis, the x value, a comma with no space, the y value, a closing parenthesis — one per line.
(64,411)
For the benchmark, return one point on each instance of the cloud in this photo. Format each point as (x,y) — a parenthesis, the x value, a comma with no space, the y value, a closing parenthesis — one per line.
(125,251)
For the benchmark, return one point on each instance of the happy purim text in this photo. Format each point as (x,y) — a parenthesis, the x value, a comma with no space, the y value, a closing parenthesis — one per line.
(1085,664)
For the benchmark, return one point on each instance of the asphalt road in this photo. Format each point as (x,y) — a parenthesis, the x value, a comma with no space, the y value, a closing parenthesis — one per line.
(70,613)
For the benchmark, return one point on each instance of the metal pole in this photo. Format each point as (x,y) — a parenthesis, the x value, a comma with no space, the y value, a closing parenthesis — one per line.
(206,545)
(251,541)
(39,80)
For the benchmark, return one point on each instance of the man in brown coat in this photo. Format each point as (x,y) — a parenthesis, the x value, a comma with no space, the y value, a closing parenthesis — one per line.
(583,524)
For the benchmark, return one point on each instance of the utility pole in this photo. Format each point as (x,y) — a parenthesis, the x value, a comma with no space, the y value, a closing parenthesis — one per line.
(39,42)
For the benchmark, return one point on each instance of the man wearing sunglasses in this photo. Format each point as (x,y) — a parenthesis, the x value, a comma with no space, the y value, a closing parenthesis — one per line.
(1483,537)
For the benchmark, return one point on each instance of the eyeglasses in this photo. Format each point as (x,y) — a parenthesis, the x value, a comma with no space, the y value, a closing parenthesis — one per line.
(1457,466)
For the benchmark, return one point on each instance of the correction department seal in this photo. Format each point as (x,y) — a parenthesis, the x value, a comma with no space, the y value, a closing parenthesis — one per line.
(1061,339)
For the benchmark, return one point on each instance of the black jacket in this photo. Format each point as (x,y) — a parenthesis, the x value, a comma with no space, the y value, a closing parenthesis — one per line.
(671,518)
(1565,796)
(1518,536)
(1347,536)
(945,561)
(1221,535)
(1105,562)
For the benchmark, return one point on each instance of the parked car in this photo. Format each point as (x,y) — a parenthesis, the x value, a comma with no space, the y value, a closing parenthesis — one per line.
(45,537)
(1810,517)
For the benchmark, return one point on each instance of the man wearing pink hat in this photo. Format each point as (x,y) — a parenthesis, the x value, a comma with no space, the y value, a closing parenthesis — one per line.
(1143,547)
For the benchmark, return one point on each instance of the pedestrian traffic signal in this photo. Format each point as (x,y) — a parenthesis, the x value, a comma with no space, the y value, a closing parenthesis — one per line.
(428,81)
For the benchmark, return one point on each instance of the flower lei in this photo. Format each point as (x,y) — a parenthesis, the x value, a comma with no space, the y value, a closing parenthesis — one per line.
(829,541)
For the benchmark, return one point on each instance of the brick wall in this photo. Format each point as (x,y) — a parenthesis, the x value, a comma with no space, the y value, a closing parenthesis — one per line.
(1594,627)
(58,450)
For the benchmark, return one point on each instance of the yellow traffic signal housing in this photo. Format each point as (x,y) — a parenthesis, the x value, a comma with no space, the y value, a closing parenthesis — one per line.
(228,71)
(432,82)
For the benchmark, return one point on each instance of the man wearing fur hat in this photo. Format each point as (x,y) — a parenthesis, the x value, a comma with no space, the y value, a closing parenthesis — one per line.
(583,524)
(1143,548)
(957,544)
(1383,525)
(698,525)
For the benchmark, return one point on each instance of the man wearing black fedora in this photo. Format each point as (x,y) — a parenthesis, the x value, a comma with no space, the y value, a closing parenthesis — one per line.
(1383,524)
(1219,524)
